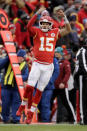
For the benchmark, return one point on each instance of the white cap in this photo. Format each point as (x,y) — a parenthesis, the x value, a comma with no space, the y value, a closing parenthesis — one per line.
(60,7)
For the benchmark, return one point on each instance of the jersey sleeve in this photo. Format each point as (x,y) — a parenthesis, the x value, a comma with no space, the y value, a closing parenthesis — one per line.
(58,33)
(32,29)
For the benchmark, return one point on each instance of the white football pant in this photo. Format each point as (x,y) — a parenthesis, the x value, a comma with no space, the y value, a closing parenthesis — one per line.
(40,74)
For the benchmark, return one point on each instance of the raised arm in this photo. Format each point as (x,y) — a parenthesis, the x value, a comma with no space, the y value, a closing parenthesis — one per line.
(31,22)
(67,28)
(33,19)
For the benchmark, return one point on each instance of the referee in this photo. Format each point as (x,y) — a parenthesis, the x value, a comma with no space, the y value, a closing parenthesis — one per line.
(81,80)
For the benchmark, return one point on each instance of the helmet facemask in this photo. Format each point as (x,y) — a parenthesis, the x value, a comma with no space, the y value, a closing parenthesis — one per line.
(45,25)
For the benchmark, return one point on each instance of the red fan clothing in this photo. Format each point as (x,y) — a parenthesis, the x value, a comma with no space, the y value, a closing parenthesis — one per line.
(22,35)
(44,42)
(65,71)
(28,8)
(14,8)
(82,14)
(39,2)
(57,24)
(34,2)
(79,28)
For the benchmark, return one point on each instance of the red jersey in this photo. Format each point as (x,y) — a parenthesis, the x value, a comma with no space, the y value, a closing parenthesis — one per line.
(82,14)
(44,43)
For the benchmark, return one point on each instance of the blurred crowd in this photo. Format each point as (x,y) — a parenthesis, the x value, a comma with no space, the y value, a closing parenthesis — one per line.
(58,102)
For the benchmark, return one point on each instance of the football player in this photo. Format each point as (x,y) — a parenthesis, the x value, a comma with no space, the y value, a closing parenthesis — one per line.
(44,39)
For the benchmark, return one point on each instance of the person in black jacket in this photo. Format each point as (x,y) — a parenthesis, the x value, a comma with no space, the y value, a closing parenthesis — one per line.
(80,77)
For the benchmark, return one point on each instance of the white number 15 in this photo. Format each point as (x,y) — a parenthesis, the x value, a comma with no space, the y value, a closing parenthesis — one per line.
(49,46)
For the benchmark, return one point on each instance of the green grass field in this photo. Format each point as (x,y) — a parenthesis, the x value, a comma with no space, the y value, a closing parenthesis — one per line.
(41,127)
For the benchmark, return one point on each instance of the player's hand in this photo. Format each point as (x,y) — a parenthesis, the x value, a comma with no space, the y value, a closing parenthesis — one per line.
(41,10)
(61,86)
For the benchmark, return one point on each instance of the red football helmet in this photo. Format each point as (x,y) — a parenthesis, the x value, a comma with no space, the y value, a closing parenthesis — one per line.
(45,23)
